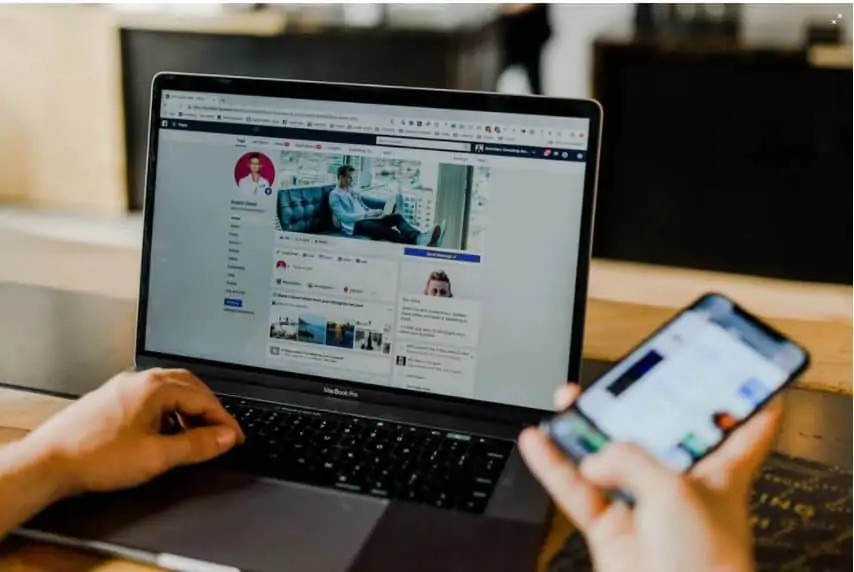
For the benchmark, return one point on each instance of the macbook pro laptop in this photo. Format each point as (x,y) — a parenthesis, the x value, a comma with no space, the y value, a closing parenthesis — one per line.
(381,384)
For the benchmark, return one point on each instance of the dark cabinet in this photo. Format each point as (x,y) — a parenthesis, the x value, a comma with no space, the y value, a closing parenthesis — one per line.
(726,158)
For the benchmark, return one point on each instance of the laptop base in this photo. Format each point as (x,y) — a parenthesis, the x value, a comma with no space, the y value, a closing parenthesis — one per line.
(262,525)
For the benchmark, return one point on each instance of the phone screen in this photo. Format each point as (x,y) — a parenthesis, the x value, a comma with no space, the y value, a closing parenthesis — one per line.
(680,392)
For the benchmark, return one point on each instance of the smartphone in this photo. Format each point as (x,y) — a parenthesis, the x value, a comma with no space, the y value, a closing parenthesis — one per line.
(685,388)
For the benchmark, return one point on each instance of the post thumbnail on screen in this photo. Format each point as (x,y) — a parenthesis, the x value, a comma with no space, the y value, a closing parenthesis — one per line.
(368,198)
(285,328)
(372,341)
(318,329)
(439,285)
(458,281)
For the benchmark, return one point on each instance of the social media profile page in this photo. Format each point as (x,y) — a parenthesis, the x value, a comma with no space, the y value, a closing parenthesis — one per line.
(286,278)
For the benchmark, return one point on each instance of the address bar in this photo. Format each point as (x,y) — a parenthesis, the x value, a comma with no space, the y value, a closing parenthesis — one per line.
(423,144)
(273,111)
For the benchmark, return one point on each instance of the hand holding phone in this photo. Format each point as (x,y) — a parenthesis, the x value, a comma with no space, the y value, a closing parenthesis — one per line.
(685,389)
(694,522)
(698,395)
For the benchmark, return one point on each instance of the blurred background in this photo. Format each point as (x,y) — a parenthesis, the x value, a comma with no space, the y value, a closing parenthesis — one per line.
(726,166)
(727,141)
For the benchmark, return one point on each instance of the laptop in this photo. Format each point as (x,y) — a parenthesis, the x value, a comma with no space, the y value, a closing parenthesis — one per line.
(381,383)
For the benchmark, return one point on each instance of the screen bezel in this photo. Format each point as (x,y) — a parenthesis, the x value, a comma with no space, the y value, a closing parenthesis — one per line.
(752,319)
(398,96)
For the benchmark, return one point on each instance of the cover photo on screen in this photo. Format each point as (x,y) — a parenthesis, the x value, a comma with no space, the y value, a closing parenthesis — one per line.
(403,201)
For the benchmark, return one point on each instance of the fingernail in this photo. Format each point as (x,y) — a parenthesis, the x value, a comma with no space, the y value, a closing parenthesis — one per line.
(225,436)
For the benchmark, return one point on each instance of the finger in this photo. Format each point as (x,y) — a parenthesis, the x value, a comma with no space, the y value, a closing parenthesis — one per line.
(192,402)
(566,395)
(188,378)
(180,376)
(195,445)
(739,457)
(629,468)
(581,501)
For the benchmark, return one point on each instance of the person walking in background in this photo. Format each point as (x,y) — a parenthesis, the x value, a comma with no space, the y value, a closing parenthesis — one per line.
(525,30)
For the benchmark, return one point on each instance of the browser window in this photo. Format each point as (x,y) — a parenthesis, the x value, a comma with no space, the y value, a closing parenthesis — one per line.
(422,249)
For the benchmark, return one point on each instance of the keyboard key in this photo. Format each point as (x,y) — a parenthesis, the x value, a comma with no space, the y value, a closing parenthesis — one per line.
(343,484)
(322,425)
(377,434)
(404,451)
(302,435)
(488,467)
(441,499)
(351,430)
(475,506)
(412,495)
(413,481)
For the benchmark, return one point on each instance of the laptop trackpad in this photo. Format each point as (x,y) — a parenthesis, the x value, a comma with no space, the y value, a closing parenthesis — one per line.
(225,518)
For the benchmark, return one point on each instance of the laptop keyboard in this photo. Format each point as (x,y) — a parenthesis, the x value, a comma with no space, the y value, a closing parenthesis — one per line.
(389,460)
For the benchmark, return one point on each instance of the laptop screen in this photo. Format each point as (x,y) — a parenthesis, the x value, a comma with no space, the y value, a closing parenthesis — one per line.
(422,249)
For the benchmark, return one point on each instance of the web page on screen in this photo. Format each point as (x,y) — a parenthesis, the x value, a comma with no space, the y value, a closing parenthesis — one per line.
(422,249)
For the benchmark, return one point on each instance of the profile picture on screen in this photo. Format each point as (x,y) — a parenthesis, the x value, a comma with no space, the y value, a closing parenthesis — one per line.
(438,284)
(254,174)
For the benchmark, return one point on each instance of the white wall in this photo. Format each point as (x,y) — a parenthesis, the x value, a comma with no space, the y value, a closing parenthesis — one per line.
(788,22)
(566,60)
(567,57)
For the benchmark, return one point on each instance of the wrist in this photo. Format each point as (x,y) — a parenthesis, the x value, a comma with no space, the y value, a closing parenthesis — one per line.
(45,472)
(30,477)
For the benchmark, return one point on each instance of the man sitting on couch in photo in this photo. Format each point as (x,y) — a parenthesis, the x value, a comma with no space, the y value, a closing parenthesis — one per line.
(354,218)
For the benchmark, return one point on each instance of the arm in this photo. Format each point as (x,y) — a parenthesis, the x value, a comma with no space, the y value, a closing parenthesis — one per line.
(362,202)
(31,479)
(369,212)
(336,204)
(111,439)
